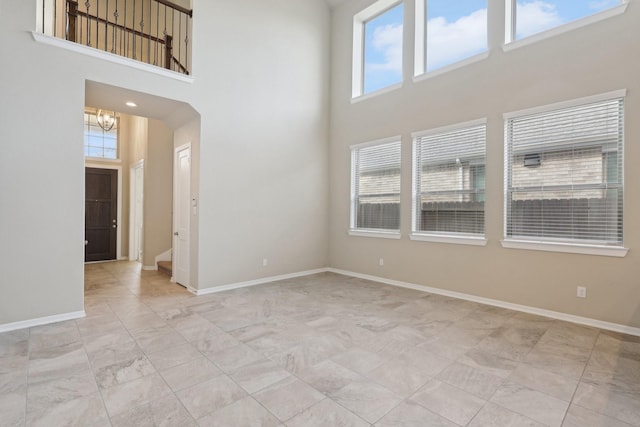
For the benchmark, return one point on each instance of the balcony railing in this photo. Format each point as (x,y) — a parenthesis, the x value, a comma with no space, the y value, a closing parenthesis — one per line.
(157,32)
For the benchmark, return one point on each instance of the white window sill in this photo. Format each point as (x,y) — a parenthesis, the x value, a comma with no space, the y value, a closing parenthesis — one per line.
(587,20)
(107,56)
(566,248)
(376,93)
(448,68)
(458,240)
(375,233)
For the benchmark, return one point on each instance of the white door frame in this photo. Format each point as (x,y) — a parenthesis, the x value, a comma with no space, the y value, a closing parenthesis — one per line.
(176,152)
(132,209)
(119,214)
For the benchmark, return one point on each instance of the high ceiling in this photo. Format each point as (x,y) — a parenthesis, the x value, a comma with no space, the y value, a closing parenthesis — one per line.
(334,3)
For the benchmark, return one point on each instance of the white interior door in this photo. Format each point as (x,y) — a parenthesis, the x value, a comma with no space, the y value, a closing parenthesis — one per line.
(181,217)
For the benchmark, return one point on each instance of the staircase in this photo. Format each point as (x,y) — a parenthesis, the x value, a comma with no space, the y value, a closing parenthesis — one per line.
(165,267)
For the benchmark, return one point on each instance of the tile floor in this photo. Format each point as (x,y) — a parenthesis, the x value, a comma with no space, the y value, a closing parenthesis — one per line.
(323,350)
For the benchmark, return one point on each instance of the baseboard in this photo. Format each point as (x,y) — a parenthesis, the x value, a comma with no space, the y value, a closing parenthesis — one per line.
(249,283)
(497,303)
(7,327)
(150,267)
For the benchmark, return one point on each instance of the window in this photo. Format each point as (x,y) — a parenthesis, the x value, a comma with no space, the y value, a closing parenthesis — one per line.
(375,186)
(99,143)
(529,17)
(564,172)
(449,32)
(449,181)
(377,47)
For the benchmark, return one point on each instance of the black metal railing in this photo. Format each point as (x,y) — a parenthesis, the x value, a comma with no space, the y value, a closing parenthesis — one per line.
(156,32)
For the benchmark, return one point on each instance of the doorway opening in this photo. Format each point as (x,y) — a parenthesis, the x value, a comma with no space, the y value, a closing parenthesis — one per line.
(157,188)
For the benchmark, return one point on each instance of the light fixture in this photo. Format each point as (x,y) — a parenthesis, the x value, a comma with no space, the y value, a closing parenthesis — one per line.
(131,104)
(106,119)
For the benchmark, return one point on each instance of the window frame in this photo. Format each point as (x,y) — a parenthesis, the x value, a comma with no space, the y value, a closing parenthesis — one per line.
(360,20)
(354,230)
(117,139)
(455,238)
(420,47)
(559,245)
(510,41)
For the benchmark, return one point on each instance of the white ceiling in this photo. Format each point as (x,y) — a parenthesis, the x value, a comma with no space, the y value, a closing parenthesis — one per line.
(173,113)
(334,3)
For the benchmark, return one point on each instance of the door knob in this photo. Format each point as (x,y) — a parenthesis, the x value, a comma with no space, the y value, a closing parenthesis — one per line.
(175,233)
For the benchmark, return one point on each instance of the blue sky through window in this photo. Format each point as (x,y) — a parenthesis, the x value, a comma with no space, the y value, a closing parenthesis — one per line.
(383,49)
(534,16)
(457,29)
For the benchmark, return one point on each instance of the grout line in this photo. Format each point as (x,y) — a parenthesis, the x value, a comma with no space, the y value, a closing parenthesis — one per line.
(26,386)
(573,395)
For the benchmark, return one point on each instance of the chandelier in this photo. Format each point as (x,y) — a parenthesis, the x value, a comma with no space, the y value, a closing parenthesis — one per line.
(106,119)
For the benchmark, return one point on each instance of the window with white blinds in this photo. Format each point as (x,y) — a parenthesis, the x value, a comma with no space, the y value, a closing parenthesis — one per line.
(375,185)
(564,173)
(449,180)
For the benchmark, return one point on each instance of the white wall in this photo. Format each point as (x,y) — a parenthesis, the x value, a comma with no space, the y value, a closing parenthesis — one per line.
(263,158)
(158,192)
(591,60)
(261,86)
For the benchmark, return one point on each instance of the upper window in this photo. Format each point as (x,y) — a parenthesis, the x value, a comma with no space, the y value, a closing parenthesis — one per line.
(564,172)
(98,142)
(375,186)
(449,180)
(377,47)
(448,32)
(529,17)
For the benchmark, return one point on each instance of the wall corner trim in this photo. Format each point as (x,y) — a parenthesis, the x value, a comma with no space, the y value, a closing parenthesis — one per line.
(238,285)
(7,327)
(630,330)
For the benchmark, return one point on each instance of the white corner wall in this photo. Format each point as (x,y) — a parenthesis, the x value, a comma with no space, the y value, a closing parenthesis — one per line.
(590,60)
(263,156)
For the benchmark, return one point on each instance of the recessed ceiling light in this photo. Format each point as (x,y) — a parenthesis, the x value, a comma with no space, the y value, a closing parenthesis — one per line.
(131,104)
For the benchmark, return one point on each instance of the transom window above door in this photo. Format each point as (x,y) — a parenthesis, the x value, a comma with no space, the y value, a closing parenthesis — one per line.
(98,142)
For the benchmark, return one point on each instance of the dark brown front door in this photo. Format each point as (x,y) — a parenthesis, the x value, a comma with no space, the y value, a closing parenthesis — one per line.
(101,207)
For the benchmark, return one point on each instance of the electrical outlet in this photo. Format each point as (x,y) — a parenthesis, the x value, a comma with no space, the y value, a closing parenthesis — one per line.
(582,292)
(381,262)
(265,262)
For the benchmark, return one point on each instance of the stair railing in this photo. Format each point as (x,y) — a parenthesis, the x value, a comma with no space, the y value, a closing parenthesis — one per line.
(153,31)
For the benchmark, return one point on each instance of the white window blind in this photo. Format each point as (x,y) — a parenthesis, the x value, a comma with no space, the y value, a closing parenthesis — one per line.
(449,180)
(375,186)
(564,174)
